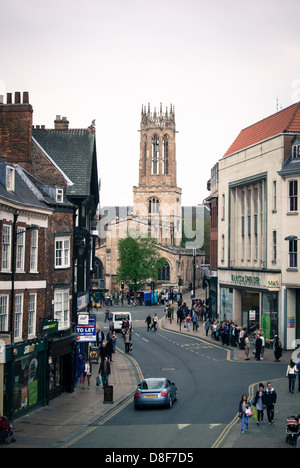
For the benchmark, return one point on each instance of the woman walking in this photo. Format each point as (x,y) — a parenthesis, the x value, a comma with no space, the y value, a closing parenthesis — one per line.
(243,407)
(258,402)
(291,374)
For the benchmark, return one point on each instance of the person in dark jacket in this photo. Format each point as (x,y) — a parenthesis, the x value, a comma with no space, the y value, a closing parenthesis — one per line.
(258,346)
(148,322)
(269,400)
(104,371)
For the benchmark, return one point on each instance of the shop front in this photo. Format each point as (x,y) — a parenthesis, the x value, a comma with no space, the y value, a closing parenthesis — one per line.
(24,377)
(251,300)
(61,365)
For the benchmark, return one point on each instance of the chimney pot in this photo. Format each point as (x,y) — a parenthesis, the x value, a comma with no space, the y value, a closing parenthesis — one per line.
(25,97)
(17,97)
(9,98)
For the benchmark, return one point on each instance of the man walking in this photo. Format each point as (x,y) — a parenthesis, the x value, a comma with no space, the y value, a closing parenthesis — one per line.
(104,370)
(148,321)
(269,401)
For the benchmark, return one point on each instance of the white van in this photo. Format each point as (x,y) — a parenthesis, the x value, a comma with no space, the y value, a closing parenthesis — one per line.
(117,319)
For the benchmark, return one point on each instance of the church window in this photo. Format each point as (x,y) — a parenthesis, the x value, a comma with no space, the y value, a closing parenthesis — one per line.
(165,166)
(155,154)
(153,205)
(164,272)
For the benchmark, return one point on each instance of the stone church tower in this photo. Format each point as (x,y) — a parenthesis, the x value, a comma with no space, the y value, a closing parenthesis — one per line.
(157,197)
(156,207)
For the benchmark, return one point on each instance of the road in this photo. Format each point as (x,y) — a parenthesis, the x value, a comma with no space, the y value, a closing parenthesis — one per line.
(209,389)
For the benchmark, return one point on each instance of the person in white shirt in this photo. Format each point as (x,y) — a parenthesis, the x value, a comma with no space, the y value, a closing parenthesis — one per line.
(291,373)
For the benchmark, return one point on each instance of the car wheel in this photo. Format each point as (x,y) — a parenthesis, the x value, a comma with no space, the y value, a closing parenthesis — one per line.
(170,402)
(175,399)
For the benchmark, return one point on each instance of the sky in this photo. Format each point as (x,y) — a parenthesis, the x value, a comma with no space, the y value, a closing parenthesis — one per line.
(224,65)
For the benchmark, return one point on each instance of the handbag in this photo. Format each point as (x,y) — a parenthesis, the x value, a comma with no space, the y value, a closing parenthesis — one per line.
(98,381)
(254,413)
(249,413)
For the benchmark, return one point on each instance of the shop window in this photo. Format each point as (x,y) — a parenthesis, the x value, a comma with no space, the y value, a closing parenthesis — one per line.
(26,383)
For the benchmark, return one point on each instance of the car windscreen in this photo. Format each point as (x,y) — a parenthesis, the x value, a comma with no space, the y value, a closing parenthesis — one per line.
(121,317)
(152,385)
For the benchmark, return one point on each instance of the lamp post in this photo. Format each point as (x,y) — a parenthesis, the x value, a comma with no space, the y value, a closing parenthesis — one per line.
(13,267)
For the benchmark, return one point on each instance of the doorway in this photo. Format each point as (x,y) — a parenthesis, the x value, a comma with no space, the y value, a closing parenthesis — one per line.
(250,310)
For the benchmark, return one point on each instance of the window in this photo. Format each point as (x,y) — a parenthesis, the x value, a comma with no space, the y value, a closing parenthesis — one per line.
(274,246)
(62,252)
(223,249)
(32,315)
(6,246)
(293,254)
(62,309)
(153,206)
(18,316)
(296,151)
(3,312)
(34,251)
(10,178)
(59,195)
(155,154)
(274,195)
(223,206)
(20,249)
(293,195)
(166,155)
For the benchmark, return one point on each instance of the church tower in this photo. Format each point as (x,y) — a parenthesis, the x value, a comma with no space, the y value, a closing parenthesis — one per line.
(157,198)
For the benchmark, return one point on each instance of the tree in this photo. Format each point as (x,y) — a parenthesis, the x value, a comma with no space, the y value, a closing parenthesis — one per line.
(139,261)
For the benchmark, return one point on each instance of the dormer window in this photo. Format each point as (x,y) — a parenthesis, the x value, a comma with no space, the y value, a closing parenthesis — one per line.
(10,178)
(296,151)
(59,195)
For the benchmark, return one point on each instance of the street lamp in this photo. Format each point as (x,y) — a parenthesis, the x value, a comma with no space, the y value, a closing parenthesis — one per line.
(13,266)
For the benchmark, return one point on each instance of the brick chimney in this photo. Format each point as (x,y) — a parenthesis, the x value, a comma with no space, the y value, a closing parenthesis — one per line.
(16,129)
(61,123)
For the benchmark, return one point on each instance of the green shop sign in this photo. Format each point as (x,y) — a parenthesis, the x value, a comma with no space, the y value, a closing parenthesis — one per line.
(49,326)
(245,280)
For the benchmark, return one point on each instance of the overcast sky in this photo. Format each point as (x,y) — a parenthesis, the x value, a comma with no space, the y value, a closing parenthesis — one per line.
(222,64)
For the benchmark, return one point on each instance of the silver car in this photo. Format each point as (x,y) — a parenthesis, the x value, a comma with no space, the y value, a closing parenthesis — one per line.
(155,392)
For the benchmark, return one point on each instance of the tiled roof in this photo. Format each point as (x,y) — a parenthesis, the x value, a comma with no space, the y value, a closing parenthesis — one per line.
(286,120)
(73,150)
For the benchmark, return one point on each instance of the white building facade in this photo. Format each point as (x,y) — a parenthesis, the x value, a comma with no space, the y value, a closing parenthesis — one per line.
(259,281)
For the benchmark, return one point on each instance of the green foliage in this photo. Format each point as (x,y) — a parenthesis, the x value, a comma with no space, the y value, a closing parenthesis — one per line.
(139,260)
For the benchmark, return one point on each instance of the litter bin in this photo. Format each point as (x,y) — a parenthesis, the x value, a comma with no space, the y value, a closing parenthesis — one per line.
(108,394)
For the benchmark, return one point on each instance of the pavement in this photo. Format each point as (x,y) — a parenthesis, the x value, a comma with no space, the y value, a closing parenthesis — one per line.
(52,425)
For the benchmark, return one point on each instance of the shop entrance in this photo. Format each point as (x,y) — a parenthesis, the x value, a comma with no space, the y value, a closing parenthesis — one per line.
(250,310)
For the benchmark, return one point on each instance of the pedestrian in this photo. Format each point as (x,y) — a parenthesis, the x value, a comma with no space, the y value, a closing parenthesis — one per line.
(262,336)
(107,312)
(195,321)
(247,346)
(104,371)
(258,346)
(298,370)
(258,402)
(148,322)
(277,348)
(155,320)
(114,341)
(103,351)
(127,342)
(99,337)
(291,373)
(188,322)
(270,399)
(243,406)
(87,373)
(109,346)
(207,326)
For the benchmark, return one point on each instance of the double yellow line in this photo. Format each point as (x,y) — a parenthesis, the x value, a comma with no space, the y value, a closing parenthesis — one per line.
(229,426)
(111,414)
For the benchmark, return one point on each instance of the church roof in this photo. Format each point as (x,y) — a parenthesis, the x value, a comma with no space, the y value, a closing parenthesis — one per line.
(284,121)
